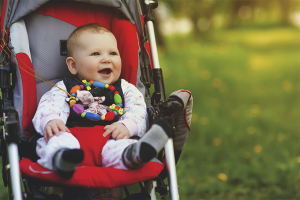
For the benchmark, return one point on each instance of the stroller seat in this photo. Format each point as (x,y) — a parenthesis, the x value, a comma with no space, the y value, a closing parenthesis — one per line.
(35,33)
(48,28)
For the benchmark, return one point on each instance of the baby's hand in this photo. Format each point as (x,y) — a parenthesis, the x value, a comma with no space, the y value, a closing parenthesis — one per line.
(53,127)
(117,130)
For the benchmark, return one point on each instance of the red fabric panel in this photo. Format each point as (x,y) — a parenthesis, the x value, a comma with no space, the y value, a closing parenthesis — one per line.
(128,45)
(91,142)
(29,92)
(93,177)
(79,14)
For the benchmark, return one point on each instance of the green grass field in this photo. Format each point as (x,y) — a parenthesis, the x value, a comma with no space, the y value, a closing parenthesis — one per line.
(244,139)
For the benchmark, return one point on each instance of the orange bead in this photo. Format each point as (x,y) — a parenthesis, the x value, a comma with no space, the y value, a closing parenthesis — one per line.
(72,103)
(91,82)
(74,89)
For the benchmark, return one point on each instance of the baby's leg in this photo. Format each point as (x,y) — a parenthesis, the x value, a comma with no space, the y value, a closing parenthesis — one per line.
(112,153)
(62,153)
(141,152)
(133,154)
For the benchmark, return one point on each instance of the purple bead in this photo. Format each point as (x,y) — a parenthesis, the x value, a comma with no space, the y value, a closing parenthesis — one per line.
(81,87)
(121,105)
(78,108)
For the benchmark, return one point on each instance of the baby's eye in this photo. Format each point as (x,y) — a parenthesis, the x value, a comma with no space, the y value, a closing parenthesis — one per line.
(113,53)
(96,54)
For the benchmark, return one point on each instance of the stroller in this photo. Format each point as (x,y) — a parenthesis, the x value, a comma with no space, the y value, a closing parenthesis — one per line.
(33,51)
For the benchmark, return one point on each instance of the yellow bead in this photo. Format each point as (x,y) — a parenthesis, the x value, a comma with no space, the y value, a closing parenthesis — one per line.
(84,81)
(102,117)
(106,85)
(112,106)
(88,88)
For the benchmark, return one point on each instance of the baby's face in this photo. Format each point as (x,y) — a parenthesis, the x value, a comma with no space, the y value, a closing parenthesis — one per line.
(97,58)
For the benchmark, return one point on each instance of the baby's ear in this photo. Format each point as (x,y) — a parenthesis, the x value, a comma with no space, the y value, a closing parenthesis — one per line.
(71,65)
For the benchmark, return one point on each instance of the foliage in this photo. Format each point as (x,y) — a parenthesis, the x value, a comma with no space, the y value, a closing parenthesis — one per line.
(207,15)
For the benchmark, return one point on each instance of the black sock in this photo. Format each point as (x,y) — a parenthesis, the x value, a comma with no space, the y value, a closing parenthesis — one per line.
(137,154)
(65,161)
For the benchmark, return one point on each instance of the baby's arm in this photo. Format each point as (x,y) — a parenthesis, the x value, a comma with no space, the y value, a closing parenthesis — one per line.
(135,113)
(52,108)
(53,127)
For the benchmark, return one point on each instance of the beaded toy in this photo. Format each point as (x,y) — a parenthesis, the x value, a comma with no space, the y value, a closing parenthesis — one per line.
(116,109)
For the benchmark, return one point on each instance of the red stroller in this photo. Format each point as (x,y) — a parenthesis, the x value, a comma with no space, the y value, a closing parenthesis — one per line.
(34,37)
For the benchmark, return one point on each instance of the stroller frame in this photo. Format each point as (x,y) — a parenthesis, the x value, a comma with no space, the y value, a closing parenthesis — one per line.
(161,107)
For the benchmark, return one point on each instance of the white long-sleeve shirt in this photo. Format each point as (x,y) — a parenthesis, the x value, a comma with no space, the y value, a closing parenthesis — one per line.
(53,105)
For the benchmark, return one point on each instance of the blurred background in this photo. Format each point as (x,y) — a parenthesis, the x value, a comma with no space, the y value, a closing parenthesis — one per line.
(240,59)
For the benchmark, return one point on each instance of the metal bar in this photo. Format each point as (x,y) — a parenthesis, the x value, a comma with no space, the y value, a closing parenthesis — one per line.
(170,161)
(15,171)
(153,47)
(152,194)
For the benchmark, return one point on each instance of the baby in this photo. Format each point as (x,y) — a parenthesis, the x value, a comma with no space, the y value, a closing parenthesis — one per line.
(70,139)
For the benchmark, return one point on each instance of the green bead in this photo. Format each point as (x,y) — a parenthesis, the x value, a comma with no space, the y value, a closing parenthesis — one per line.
(88,84)
(117,98)
(83,114)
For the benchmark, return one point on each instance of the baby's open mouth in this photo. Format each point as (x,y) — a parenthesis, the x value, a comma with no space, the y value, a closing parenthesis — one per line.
(106,71)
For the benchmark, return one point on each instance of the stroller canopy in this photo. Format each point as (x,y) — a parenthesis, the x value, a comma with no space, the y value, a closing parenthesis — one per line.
(16,9)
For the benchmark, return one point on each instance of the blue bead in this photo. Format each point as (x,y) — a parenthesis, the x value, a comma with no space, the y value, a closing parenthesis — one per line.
(98,84)
(73,94)
(93,116)
(116,113)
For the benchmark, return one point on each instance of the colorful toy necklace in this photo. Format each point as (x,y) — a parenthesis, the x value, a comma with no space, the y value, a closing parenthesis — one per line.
(116,109)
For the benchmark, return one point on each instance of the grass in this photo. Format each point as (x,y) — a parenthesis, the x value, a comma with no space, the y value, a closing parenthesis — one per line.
(244,139)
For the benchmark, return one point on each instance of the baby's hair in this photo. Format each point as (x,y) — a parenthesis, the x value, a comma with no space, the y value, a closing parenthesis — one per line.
(90,28)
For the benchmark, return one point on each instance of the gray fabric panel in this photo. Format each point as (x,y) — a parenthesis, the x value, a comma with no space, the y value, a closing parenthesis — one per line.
(19,8)
(134,10)
(23,7)
(182,119)
(42,88)
(45,33)
(18,98)
(115,4)
(140,86)
(110,3)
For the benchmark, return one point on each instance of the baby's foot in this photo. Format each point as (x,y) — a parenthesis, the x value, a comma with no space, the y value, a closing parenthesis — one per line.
(65,162)
(139,153)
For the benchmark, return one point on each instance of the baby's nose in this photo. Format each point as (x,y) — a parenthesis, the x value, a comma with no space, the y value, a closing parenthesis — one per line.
(105,59)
